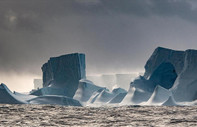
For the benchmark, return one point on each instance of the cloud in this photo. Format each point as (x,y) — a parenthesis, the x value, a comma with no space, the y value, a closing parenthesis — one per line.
(109,32)
(117,36)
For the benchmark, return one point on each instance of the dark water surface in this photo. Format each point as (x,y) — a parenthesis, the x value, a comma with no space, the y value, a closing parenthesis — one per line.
(50,115)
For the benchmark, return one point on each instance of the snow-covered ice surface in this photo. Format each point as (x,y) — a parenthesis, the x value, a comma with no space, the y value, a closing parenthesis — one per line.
(53,115)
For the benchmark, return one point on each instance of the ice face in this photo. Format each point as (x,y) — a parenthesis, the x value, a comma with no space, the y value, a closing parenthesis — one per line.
(185,65)
(64,72)
(118,98)
(104,96)
(52,91)
(161,55)
(185,87)
(164,75)
(135,96)
(85,90)
(170,102)
(143,84)
(159,96)
(118,90)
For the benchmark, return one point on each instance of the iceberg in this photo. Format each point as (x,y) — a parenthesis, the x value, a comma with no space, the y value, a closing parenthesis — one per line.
(118,91)
(183,82)
(169,79)
(143,84)
(54,100)
(159,96)
(185,87)
(85,90)
(23,97)
(161,55)
(173,70)
(164,75)
(95,95)
(62,74)
(51,91)
(104,96)
(118,98)
(170,102)
(135,96)
(7,97)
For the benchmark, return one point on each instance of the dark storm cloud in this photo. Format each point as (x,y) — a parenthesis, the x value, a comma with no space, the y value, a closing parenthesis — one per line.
(110,32)
(29,13)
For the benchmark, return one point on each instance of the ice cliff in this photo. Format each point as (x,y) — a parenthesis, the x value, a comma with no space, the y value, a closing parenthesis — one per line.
(185,87)
(61,75)
(161,55)
(185,65)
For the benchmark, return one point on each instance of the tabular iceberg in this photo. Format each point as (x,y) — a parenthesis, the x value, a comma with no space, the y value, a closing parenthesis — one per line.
(61,75)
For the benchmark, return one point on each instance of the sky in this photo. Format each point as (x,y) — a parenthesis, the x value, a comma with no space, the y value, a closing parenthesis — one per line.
(117,36)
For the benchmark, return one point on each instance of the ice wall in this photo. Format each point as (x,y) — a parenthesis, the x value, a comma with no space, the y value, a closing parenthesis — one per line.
(161,55)
(64,72)
(164,75)
(185,65)
(185,87)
